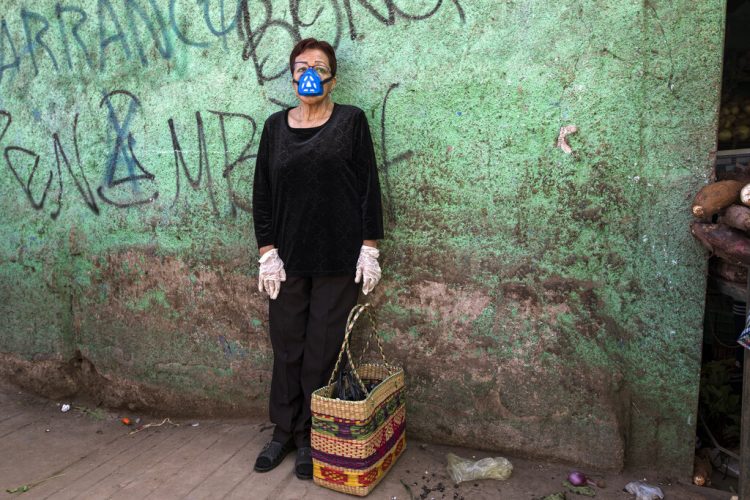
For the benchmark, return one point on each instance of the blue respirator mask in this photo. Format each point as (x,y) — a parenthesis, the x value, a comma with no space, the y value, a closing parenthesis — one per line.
(310,83)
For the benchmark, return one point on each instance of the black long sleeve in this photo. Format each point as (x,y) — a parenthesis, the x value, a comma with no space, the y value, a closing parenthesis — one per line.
(369,186)
(316,193)
(262,213)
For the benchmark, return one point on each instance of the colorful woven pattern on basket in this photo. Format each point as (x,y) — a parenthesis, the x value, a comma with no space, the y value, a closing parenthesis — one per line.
(358,429)
(329,450)
(331,475)
(361,449)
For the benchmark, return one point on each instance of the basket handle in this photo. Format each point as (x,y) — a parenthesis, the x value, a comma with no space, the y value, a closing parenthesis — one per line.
(354,314)
(374,333)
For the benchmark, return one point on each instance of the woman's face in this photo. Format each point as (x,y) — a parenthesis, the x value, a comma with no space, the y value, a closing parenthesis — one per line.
(313,58)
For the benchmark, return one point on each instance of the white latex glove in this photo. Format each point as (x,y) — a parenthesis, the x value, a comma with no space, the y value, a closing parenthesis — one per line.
(368,269)
(271,273)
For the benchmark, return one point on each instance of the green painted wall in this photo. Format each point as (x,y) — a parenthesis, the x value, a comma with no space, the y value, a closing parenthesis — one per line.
(543,303)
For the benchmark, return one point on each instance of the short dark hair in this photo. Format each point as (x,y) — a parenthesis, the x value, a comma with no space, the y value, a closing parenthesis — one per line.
(313,43)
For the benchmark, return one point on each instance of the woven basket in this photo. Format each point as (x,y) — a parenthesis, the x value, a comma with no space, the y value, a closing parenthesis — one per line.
(355,443)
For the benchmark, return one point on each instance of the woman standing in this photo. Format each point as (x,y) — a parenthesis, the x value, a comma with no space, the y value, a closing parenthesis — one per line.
(317,214)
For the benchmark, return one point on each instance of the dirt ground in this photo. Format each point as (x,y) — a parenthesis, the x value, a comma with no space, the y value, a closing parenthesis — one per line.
(89,453)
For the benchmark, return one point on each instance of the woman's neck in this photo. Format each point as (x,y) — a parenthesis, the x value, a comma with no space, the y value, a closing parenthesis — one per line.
(313,113)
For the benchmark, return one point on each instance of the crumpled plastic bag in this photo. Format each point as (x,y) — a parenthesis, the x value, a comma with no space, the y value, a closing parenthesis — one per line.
(462,469)
(644,491)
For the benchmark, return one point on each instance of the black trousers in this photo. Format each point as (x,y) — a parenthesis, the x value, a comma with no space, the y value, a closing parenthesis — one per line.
(307,322)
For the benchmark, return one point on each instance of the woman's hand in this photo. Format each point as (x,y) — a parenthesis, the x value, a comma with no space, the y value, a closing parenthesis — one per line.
(368,269)
(271,273)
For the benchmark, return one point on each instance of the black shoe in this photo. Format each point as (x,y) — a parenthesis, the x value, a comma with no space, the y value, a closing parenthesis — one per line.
(303,466)
(272,455)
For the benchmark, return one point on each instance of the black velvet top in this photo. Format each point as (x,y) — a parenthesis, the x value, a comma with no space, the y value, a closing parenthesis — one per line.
(316,194)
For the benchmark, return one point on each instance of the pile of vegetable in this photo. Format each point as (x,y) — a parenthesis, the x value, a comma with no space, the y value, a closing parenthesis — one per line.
(734,120)
(728,237)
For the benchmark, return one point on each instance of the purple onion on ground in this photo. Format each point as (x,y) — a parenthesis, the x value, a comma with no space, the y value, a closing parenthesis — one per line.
(577,478)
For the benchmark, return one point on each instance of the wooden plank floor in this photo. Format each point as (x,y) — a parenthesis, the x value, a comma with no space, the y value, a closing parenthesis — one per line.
(95,456)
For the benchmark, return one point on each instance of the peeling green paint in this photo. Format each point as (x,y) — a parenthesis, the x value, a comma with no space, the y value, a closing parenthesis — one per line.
(149,299)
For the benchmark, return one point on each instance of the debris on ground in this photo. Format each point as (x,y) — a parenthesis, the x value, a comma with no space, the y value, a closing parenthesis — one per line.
(65,407)
(440,487)
(96,413)
(26,487)
(578,478)
(126,421)
(560,495)
(426,489)
(461,469)
(579,490)
(644,491)
(21,489)
(408,490)
(143,427)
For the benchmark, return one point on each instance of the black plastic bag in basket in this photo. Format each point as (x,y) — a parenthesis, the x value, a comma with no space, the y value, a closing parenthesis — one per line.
(347,387)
